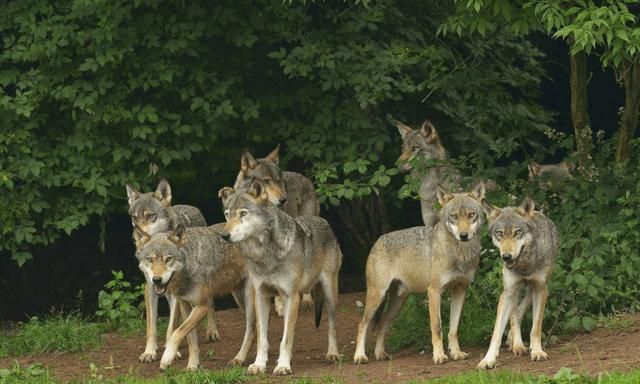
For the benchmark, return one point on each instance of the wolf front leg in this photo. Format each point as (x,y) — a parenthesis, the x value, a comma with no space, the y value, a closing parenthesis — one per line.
(291,304)
(514,339)
(539,296)
(435,297)
(197,314)
(457,302)
(505,306)
(248,302)
(263,306)
(151,311)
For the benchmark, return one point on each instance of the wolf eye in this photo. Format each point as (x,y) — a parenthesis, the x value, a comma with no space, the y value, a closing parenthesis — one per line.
(453,217)
(243,213)
(517,232)
(498,233)
(226,214)
(150,216)
(472,215)
(168,259)
(149,259)
(415,148)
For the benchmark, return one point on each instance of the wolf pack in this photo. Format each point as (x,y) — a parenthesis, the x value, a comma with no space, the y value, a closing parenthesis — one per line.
(275,245)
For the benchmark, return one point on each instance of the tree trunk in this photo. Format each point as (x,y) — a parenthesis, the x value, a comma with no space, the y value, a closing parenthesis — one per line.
(629,120)
(579,107)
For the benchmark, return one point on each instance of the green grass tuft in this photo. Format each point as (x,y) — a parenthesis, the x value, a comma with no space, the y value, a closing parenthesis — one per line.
(57,333)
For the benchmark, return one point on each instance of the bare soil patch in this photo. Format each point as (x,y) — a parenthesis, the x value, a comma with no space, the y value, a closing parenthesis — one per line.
(600,351)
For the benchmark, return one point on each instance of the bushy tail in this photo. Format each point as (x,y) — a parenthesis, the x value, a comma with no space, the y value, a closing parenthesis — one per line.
(318,300)
(393,287)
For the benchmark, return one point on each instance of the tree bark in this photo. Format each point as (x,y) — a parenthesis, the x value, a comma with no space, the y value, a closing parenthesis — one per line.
(579,107)
(629,120)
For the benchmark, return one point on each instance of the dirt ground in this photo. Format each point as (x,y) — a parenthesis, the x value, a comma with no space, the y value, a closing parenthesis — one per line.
(599,351)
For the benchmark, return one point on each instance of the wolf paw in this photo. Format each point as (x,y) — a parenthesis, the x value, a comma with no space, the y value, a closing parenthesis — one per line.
(486,364)
(382,355)
(306,304)
(539,356)
(279,304)
(193,366)
(360,359)
(458,355)
(213,335)
(439,357)
(333,357)
(282,370)
(256,369)
(235,363)
(519,349)
(148,357)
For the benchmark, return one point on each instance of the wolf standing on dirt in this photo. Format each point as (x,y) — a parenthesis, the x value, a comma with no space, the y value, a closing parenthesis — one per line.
(291,191)
(420,259)
(152,213)
(426,142)
(285,256)
(528,244)
(193,265)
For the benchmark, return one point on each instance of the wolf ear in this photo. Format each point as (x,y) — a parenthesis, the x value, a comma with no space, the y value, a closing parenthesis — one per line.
(428,131)
(443,196)
(179,235)
(526,207)
(274,156)
(478,191)
(163,192)
(224,193)
(403,129)
(258,189)
(247,162)
(490,210)
(140,237)
(534,168)
(132,194)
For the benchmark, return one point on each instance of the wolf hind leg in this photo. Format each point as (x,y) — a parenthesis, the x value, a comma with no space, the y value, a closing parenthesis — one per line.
(212,327)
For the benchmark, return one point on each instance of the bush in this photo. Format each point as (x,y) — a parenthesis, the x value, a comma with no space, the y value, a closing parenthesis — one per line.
(120,304)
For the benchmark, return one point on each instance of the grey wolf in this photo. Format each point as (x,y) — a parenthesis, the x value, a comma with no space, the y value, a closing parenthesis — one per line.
(193,265)
(153,213)
(420,259)
(285,256)
(425,143)
(550,173)
(528,244)
(291,191)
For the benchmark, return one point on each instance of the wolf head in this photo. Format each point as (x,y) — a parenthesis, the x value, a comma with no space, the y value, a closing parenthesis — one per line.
(149,210)
(268,171)
(160,256)
(510,229)
(419,142)
(246,210)
(461,213)
(552,172)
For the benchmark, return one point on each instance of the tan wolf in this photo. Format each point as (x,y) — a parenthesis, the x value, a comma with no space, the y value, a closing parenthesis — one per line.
(425,142)
(153,213)
(528,243)
(291,191)
(424,259)
(285,256)
(194,265)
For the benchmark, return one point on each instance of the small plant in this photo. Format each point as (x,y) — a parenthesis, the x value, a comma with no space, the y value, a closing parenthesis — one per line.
(18,374)
(119,302)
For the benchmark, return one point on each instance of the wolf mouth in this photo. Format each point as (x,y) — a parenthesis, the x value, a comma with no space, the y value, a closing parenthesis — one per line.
(512,262)
(160,289)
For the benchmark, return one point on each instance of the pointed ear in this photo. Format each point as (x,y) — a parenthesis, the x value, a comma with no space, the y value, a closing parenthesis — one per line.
(526,207)
(478,191)
(490,210)
(224,193)
(247,162)
(163,192)
(428,131)
(179,235)
(258,189)
(274,156)
(132,194)
(140,237)
(403,129)
(534,168)
(443,196)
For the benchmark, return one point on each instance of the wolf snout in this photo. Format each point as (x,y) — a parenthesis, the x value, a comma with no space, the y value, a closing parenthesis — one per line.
(156,280)
(507,257)
(282,200)
(464,236)
(225,235)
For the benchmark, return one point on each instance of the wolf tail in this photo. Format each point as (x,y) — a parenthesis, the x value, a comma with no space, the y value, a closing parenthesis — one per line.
(393,288)
(318,302)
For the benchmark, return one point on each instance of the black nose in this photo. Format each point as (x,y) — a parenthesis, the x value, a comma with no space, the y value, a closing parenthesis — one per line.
(226,236)
(507,257)
(282,200)
(157,280)
(464,236)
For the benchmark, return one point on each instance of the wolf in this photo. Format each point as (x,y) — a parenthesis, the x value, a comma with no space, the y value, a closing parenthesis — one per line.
(548,174)
(528,243)
(291,191)
(420,259)
(193,265)
(153,213)
(425,142)
(285,256)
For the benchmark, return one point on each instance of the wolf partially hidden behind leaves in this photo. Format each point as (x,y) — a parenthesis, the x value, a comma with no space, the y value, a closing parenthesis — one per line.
(153,213)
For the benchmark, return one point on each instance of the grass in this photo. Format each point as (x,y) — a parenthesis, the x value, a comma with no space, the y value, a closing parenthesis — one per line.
(617,322)
(56,333)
